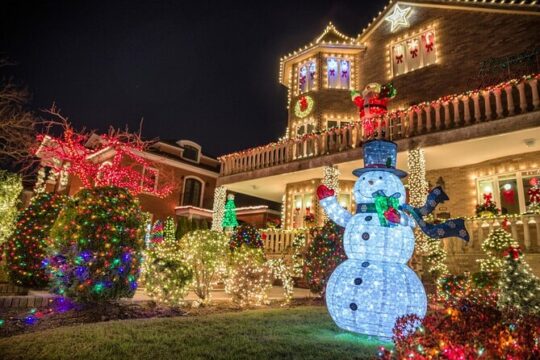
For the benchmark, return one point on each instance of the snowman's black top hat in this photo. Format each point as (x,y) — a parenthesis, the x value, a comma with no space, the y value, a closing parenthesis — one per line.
(380,155)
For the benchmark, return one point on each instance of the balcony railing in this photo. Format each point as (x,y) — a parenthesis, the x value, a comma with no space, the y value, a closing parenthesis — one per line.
(525,229)
(517,96)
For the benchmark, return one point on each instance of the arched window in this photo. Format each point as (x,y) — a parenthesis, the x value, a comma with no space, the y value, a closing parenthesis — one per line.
(193,190)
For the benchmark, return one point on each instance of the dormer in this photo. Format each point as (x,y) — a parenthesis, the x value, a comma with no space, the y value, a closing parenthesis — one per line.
(191,151)
(328,62)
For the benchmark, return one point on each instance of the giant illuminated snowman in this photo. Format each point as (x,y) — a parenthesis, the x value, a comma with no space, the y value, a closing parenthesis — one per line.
(374,286)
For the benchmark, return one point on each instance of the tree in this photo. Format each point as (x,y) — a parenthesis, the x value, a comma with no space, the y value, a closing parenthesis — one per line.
(229,219)
(26,250)
(10,189)
(497,241)
(205,252)
(78,150)
(324,253)
(96,245)
(165,272)
(156,236)
(17,124)
(519,288)
(169,231)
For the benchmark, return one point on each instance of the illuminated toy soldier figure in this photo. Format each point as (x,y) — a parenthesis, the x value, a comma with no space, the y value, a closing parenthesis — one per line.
(372,105)
(374,286)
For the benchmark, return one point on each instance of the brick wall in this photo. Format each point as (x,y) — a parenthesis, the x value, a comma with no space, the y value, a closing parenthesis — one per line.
(460,182)
(463,38)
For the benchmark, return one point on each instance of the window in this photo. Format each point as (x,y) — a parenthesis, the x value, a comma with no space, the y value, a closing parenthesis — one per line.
(510,192)
(338,72)
(192,194)
(306,76)
(344,200)
(336,123)
(190,153)
(413,53)
(303,129)
(149,179)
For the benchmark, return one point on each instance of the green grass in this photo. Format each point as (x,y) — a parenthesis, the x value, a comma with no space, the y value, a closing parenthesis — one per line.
(298,333)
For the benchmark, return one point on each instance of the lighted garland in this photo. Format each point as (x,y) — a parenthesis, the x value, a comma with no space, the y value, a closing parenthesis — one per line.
(165,273)
(10,189)
(282,271)
(303,106)
(96,246)
(324,253)
(205,253)
(26,250)
(298,245)
(220,194)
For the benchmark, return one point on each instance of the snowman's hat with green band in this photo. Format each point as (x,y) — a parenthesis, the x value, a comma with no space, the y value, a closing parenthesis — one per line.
(380,155)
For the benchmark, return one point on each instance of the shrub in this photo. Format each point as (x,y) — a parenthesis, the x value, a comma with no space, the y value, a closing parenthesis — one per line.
(10,189)
(205,252)
(96,245)
(324,253)
(26,250)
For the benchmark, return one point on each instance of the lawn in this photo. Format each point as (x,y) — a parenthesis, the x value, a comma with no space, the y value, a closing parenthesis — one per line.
(305,332)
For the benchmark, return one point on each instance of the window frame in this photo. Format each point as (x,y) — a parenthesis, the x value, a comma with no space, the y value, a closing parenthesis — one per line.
(186,178)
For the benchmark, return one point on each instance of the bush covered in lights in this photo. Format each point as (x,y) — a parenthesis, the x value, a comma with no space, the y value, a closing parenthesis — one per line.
(27,248)
(205,253)
(96,245)
(248,276)
(245,235)
(324,253)
(165,273)
(10,189)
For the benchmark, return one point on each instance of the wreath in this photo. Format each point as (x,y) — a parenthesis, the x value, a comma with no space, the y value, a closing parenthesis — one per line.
(303,106)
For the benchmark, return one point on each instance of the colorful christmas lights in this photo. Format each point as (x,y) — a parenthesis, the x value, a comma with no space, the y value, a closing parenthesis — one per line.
(96,245)
(26,250)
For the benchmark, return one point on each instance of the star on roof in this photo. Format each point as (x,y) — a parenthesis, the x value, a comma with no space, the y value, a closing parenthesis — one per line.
(398,18)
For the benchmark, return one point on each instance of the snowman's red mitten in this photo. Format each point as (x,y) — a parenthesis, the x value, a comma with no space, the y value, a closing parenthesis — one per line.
(392,215)
(323,192)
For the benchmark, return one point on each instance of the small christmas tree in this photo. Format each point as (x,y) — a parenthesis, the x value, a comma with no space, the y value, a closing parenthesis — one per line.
(229,219)
(157,233)
(519,287)
(245,235)
(325,252)
(497,241)
(169,231)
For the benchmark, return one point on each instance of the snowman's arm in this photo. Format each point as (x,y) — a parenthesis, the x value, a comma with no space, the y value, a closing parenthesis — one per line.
(335,211)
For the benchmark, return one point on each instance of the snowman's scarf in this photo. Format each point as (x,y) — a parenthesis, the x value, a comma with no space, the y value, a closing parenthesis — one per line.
(450,228)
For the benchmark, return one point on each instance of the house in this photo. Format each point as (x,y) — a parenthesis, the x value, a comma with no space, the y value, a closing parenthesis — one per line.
(467,78)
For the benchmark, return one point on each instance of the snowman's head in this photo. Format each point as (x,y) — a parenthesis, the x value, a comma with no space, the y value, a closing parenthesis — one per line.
(372,181)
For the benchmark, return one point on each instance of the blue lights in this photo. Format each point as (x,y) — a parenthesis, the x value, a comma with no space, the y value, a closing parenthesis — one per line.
(374,286)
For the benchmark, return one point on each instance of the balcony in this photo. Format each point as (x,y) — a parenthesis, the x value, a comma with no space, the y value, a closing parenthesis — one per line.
(497,109)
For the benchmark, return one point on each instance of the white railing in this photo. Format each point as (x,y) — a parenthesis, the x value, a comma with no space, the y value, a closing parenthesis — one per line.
(450,112)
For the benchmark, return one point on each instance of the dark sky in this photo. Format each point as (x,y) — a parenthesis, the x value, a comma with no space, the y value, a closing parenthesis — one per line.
(199,70)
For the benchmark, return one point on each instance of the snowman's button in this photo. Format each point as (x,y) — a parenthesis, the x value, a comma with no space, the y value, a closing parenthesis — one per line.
(357,281)
(353,306)
(368,218)
(365,236)
(365,264)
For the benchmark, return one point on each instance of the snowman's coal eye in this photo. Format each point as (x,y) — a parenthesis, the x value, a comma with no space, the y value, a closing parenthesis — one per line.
(380,177)
(364,178)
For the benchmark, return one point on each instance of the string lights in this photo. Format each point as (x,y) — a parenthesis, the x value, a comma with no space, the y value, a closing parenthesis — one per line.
(10,189)
(220,194)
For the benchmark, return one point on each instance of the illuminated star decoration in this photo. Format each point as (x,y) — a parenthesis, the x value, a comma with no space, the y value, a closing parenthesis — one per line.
(398,18)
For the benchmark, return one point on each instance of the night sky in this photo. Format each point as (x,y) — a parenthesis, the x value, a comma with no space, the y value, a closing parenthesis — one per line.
(198,70)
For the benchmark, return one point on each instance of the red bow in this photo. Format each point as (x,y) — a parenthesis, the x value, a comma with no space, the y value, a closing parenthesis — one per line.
(414,53)
(323,192)
(487,198)
(429,47)
(344,73)
(534,195)
(399,59)
(513,252)
(302,80)
(303,103)
(332,72)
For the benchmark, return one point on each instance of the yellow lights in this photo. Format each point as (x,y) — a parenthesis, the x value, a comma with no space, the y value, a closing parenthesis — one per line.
(219,206)
(488,189)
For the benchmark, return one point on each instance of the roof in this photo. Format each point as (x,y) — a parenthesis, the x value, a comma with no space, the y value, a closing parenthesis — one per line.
(333,38)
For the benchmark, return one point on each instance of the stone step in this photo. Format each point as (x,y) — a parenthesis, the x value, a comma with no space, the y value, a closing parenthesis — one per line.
(9,289)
